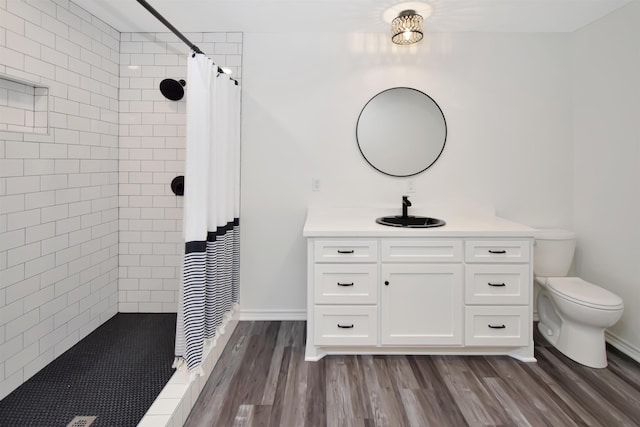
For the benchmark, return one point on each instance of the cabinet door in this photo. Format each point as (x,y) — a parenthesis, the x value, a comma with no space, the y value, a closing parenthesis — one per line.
(421,304)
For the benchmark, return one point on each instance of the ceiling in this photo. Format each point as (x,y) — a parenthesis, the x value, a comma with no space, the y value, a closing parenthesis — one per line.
(361,16)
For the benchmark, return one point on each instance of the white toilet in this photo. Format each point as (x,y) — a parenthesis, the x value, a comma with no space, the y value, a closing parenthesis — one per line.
(573,313)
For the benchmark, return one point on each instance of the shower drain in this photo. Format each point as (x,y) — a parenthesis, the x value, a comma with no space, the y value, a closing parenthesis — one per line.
(81,421)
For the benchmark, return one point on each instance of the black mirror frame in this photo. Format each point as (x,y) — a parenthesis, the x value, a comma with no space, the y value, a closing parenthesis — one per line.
(444,142)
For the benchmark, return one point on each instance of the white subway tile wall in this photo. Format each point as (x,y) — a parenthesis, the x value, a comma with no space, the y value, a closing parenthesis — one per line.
(58,190)
(151,154)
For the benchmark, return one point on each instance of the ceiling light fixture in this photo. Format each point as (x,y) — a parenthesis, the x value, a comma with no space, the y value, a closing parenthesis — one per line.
(406,28)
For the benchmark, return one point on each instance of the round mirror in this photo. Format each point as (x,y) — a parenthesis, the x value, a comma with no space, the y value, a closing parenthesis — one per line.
(401,131)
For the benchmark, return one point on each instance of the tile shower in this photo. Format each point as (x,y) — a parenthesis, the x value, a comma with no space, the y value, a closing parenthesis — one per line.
(88,223)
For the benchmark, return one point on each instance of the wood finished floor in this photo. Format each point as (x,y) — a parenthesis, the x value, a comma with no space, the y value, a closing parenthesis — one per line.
(263,380)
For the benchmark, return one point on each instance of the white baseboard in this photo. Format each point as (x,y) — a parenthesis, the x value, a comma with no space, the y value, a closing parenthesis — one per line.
(248,314)
(622,345)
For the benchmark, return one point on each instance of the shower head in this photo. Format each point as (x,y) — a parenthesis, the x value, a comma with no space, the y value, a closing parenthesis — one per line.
(172,89)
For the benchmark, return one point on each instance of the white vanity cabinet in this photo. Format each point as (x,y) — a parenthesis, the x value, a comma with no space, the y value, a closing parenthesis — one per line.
(454,290)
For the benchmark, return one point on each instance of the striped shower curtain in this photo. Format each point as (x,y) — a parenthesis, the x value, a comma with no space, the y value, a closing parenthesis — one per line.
(209,285)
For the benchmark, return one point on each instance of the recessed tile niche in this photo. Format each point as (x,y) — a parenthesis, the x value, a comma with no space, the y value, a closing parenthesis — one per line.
(23,106)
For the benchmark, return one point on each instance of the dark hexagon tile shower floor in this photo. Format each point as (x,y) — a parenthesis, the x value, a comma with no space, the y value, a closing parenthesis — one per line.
(115,373)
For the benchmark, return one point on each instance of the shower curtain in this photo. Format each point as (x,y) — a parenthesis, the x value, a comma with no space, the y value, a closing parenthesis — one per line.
(209,285)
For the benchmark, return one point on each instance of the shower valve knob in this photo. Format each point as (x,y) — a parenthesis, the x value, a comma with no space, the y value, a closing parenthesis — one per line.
(177,185)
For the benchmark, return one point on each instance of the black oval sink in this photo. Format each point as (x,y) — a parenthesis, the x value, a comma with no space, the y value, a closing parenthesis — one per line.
(410,221)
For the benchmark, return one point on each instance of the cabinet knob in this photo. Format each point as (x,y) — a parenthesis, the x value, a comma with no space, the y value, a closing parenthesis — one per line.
(386,283)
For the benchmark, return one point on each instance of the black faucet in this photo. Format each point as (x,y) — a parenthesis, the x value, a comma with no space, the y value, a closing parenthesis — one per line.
(405,205)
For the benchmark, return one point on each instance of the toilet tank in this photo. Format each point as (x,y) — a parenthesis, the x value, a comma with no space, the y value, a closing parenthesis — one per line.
(553,252)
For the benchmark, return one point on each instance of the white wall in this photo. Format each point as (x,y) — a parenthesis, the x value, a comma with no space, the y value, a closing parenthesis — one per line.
(606,135)
(506,99)
(58,192)
(151,154)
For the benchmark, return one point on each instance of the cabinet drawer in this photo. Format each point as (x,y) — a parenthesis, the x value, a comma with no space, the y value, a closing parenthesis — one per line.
(497,326)
(415,250)
(497,284)
(500,251)
(345,283)
(345,325)
(346,250)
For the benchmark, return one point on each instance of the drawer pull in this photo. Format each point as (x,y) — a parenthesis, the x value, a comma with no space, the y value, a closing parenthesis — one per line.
(345,326)
(496,285)
(346,252)
(496,326)
(497,252)
(345,284)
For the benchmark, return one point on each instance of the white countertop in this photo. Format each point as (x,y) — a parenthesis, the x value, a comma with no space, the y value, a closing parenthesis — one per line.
(361,222)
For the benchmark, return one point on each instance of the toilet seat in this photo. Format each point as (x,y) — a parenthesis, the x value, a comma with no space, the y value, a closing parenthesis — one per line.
(584,293)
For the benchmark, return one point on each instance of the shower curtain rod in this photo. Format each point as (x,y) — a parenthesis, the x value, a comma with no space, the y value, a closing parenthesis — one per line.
(175,31)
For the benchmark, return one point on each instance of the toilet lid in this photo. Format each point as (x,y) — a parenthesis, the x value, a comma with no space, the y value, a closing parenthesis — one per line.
(583,292)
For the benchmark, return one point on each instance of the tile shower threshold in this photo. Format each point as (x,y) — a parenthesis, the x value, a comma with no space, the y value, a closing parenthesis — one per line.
(172,406)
